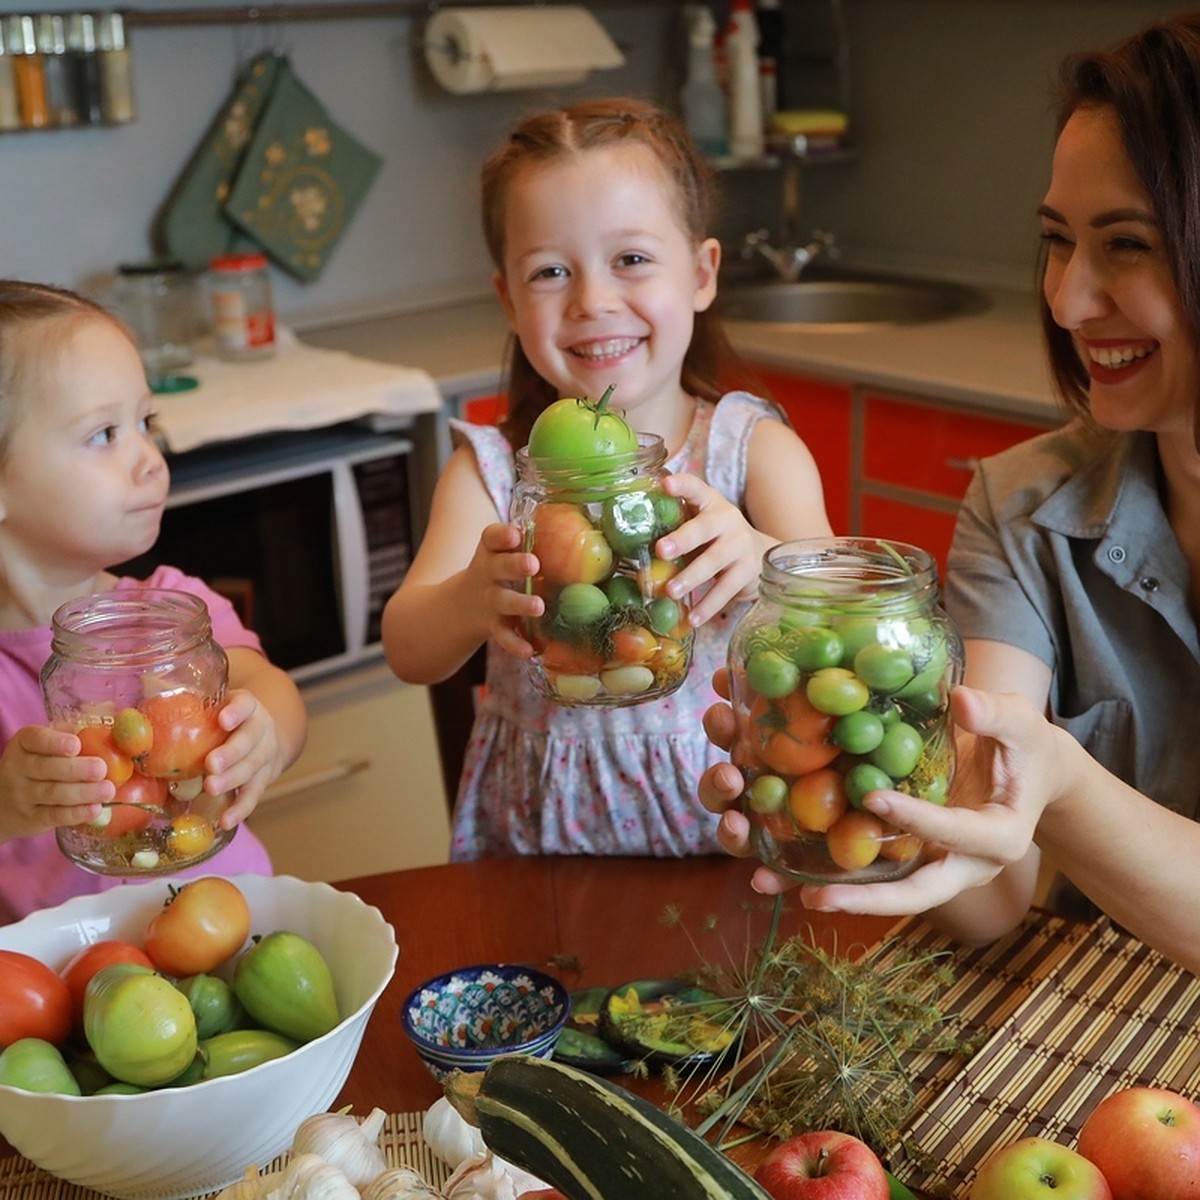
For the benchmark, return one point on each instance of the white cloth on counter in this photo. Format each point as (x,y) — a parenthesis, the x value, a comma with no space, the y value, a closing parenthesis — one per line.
(298,387)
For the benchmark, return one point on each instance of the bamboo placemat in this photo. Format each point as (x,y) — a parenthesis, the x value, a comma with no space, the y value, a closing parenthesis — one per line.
(1078,1012)
(400,1141)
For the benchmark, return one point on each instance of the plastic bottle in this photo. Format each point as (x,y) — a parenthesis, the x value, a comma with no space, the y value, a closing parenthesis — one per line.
(745,90)
(702,102)
(769,16)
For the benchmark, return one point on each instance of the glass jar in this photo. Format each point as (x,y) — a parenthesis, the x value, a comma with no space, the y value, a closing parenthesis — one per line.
(136,674)
(609,636)
(156,299)
(242,311)
(840,677)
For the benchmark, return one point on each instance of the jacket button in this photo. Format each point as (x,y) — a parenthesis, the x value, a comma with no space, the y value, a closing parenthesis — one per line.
(1116,554)
(1148,583)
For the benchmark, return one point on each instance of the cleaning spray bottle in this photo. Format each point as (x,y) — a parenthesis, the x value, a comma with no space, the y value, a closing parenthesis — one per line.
(702,102)
(745,88)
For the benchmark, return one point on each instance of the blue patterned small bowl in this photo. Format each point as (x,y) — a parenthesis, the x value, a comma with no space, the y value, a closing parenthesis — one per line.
(464,1019)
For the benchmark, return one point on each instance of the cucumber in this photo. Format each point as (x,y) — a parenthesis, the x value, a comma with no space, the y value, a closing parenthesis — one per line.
(590,1138)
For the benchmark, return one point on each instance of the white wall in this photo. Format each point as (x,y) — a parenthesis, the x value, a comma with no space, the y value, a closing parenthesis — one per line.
(949,101)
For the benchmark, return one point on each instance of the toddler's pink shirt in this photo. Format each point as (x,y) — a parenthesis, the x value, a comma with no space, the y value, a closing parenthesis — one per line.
(33,872)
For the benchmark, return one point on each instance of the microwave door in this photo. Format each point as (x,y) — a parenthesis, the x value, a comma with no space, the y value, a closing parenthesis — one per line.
(350,534)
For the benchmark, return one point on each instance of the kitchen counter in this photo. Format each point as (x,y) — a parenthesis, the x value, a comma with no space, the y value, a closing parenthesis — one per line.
(991,360)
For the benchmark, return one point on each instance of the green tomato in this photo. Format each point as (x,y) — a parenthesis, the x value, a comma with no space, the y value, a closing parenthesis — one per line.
(767,794)
(138,1024)
(623,592)
(927,703)
(772,675)
(668,512)
(836,691)
(581,604)
(855,632)
(863,778)
(285,985)
(664,615)
(34,1065)
(814,648)
(937,790)
(883,668)
(119,1089)
(900,750)
(858,733)
(628,522)
(238,1050)
(214,1005)
(578,429)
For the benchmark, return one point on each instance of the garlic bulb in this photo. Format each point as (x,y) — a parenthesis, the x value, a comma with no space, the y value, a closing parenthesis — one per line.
(486,1177)
(449,1135)
(310,1177)
(343,1143)
(400,1183)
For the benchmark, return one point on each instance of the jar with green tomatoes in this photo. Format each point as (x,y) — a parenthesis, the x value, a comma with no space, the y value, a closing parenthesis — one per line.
(840,679)
(136,675)
(609,635)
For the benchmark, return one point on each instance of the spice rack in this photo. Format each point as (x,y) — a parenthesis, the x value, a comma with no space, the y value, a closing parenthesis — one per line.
(64,70)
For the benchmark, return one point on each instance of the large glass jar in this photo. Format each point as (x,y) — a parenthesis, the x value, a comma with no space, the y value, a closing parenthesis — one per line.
(136,674)
(610,635)
(840,677)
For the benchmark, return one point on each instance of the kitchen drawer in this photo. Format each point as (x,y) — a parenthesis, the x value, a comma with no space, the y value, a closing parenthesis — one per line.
(820,412)
(931,448)
(366,795)
(489,409)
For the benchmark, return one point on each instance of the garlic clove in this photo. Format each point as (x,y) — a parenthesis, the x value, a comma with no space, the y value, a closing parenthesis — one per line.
(400,1183)
(340,1140)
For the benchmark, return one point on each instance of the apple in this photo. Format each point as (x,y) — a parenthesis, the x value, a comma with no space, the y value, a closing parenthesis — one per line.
(823,1165)
(1036,1168)
(1146,1141)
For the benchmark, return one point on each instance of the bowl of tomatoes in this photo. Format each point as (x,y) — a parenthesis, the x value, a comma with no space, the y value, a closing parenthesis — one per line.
(97,997)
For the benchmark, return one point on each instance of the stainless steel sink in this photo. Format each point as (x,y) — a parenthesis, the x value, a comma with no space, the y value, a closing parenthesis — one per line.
(849,301)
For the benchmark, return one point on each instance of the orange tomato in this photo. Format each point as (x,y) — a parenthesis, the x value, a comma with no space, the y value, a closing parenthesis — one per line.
(789,735)
(854,841)
(569,548)
(633,644)
(132,732)
(818,799)
(561,658)
(900,847)
(96,741)
(185,730)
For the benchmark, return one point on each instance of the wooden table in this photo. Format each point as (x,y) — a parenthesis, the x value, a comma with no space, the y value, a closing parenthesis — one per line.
(604,913)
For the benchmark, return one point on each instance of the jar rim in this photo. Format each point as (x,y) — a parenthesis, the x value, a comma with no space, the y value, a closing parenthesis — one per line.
(128,625)
(865,569)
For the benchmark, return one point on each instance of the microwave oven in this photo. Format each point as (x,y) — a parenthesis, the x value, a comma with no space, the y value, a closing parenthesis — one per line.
(308,534)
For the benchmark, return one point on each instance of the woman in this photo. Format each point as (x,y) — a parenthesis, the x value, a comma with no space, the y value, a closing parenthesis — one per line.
(1075,571)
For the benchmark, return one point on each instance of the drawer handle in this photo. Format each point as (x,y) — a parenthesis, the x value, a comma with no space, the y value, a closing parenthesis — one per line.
(303,783)
(963,464)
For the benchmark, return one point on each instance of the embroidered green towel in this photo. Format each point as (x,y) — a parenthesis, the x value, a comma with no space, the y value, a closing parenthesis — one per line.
(192,226)
(301,181)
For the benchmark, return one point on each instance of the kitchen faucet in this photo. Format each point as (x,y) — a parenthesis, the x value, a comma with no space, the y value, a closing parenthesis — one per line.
(789,261)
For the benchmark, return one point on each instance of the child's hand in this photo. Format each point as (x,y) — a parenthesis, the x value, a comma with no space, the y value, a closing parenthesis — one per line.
(498,563)
(250,758)
(45,783)
(732,549)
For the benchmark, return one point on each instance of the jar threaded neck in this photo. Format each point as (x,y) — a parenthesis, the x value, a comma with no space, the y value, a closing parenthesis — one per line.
(125,628)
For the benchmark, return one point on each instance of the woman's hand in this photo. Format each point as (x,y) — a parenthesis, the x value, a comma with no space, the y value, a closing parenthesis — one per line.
(728,549)
(46,783)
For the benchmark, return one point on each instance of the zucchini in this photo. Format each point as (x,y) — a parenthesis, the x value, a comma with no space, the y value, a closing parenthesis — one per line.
(590,1138)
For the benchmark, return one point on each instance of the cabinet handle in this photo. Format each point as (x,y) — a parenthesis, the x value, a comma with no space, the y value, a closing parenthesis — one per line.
(340,770)
(963,464)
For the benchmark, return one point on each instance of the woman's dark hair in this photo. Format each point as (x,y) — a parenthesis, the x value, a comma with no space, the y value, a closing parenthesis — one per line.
(1151,82)
(546,137)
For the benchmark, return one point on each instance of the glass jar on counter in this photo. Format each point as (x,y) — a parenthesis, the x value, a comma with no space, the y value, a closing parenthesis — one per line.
(243,314)
(135,673)
(156,299)
(840,678)
(610,635)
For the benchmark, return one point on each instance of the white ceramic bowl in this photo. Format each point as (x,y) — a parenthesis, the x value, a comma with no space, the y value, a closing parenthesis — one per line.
(191,1140)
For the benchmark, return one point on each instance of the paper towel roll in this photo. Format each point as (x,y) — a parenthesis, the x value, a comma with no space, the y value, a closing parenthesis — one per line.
(504,48)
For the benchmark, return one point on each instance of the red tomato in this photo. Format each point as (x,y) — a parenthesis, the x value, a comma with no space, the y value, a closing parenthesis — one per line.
(569,548)
(79,971)
(633,644)
(789,735)
(203,924)
(818,799)
(96,741)
(139,789)
(185,730)
(34,1000)
(561,658)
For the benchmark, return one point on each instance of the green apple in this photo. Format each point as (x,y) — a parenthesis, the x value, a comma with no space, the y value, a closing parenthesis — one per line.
(1037,1169)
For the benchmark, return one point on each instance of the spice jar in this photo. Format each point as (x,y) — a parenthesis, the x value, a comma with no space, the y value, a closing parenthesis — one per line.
(609,634)
(840,678)
(136,674)
(243,316)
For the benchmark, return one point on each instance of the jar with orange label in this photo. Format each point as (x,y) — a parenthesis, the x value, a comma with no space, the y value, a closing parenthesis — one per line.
(135,673)
(243,315)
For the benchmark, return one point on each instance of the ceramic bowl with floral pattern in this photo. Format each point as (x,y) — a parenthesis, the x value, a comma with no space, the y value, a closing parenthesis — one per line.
(466,1018)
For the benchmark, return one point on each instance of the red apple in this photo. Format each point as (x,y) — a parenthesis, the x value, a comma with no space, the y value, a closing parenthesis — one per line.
(1037,1169)
(825,1165)
(1146,1141)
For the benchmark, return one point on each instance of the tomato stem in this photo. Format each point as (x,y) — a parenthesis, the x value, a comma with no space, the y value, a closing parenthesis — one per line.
(602,403)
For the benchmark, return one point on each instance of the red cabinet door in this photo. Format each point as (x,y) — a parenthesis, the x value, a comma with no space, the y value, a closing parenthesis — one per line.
(820,412)
(484,410)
